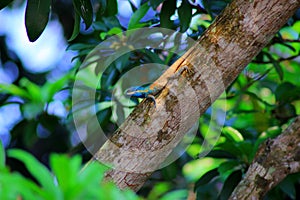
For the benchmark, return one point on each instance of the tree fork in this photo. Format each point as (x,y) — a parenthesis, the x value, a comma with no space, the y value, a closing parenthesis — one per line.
(229,44)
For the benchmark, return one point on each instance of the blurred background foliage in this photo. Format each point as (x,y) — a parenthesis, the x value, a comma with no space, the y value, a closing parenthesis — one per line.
(35,99)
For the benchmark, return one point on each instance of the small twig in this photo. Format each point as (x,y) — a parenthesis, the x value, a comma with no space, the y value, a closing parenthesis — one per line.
(279,60)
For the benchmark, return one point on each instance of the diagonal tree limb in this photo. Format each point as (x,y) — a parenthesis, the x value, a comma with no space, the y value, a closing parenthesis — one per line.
(274,160)
(149,134)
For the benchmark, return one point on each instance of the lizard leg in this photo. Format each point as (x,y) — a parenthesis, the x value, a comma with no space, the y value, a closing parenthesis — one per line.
(179,72)
(152,98)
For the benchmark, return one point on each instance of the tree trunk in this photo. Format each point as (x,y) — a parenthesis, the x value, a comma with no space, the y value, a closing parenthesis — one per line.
(274,160)
(150,133)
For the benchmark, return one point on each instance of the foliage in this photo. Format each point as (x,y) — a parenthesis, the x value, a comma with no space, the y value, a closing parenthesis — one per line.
(66,181)
(259,104)
(34,96)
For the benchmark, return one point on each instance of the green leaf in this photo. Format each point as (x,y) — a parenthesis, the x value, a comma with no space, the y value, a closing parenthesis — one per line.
(256,97)
(229,185)
(285,111)
(170,172)
(195,169)
(2,156)
(155,3)
(175,195)
(93,172)
(220,154)
(206,178)
(158,189)
(114,31)
(137,16)
(100,26)
(32,109)
(14,186)
(111,22)
(66,171)
(185,15)
(38,171)
(50,89)
(246,148)
(167,10)
(102,6)
(90,176)
(76,28)
(153,57)
(4,3)
(287,92)
(288,187)
(228,166)
(103,36)
(214,7)
(79,47)
(288,46)
(36,17)
(14,90)
(110,76)
(85,10)
(103,116)
(29,136)
(230,147)
(277,66)
(33,89)
(111,8)
(232,134)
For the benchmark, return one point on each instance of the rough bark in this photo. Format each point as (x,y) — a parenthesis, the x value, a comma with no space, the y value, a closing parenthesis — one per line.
(274,160)
(150,133)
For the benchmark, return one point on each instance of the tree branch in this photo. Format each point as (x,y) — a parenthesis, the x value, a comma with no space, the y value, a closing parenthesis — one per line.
(279,60)
(149,134)
(275,159)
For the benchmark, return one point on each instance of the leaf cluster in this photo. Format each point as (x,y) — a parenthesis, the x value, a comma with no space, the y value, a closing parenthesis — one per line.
(66,179)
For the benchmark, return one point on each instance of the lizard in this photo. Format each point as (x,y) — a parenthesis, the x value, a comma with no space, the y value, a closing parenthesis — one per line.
(153,89)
